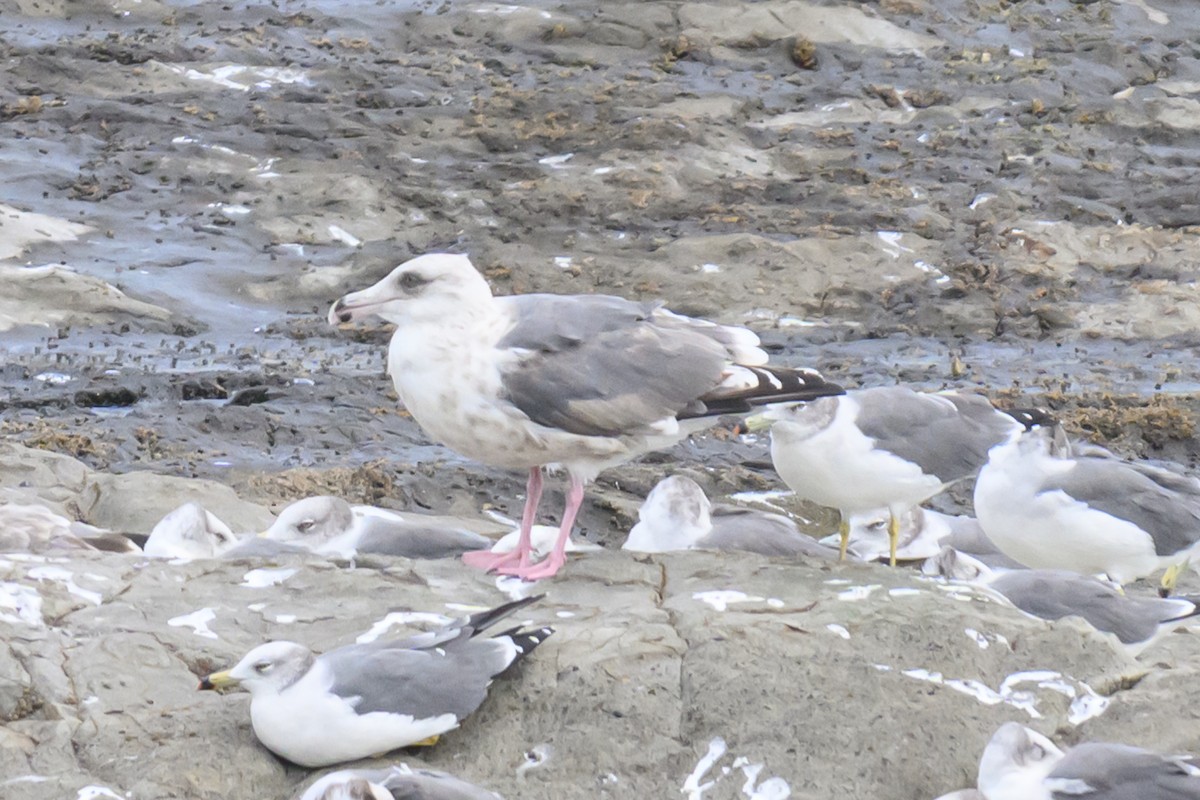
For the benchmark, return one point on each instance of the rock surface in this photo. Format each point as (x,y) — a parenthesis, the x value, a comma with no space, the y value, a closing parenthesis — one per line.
(654,658)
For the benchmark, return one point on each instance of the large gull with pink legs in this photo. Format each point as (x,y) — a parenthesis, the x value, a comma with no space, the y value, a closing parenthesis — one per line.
(585,382)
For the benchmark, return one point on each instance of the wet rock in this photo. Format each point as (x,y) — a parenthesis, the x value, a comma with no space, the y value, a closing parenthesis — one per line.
(54,295)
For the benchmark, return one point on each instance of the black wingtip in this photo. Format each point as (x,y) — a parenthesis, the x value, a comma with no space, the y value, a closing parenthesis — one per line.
(526,641)
(1032,417)
(485,619)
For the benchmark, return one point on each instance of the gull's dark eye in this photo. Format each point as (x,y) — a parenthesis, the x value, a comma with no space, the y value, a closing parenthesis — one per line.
(306,524)
(262,666)
(411,281)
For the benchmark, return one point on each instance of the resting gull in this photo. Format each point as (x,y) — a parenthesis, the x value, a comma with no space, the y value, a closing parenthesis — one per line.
(887,447)
(1051,594)
(366,699)
(36,529)
(331,526)
(542,540)
(190,531)
(400,782)
(1087,513)
(1021,764)
(677,515)
(922,534)
(583,381)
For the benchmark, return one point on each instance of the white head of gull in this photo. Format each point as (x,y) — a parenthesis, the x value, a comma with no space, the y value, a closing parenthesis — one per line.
(1088,512)
(190,531)
(677,515)
(36,529)
(584,381)
(1021,764)
(887,447)
(365,699)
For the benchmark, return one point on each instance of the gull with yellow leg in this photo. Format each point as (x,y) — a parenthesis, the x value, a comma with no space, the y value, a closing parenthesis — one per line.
(1051,506)
(886,447)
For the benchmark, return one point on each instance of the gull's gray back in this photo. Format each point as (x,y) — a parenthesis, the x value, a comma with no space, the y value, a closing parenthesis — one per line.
(602,366)
(1054,594)
(422,682)
(424,784)
(949,440)
(752,531)
(1165,505)
(1119,772)
(397,537)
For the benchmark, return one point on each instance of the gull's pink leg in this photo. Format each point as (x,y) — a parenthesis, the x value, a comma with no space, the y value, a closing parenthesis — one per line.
(554,562)
(521,557)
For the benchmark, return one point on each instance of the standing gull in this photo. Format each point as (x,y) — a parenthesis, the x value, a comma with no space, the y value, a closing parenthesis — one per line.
(888,447)
(1087,513)
(677,515)
(583,381)
(1052,594)
(1021,764)
(365,699)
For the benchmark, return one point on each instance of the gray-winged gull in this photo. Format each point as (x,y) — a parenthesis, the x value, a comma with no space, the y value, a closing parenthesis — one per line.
(1021,764)
(366,699)
(584,381)
(542,540)
(887,447)
(29,528)
(1052,594)
(331,526)
(190,531)
(1087,513)
(399,782)
(677,515)
(922,534)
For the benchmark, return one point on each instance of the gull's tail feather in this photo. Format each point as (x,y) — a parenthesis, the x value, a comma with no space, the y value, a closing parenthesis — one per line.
(745,387)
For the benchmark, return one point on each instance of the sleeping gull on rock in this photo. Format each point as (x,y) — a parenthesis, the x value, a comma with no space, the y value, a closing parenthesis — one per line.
(887,447)
(397,783)
(542,541)
(366,699)
(36,529)
(1052,594)
(331,526)
(583,381)
(190,531)
(1021,764)
(677,515)
(922,534)
(1087,513)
